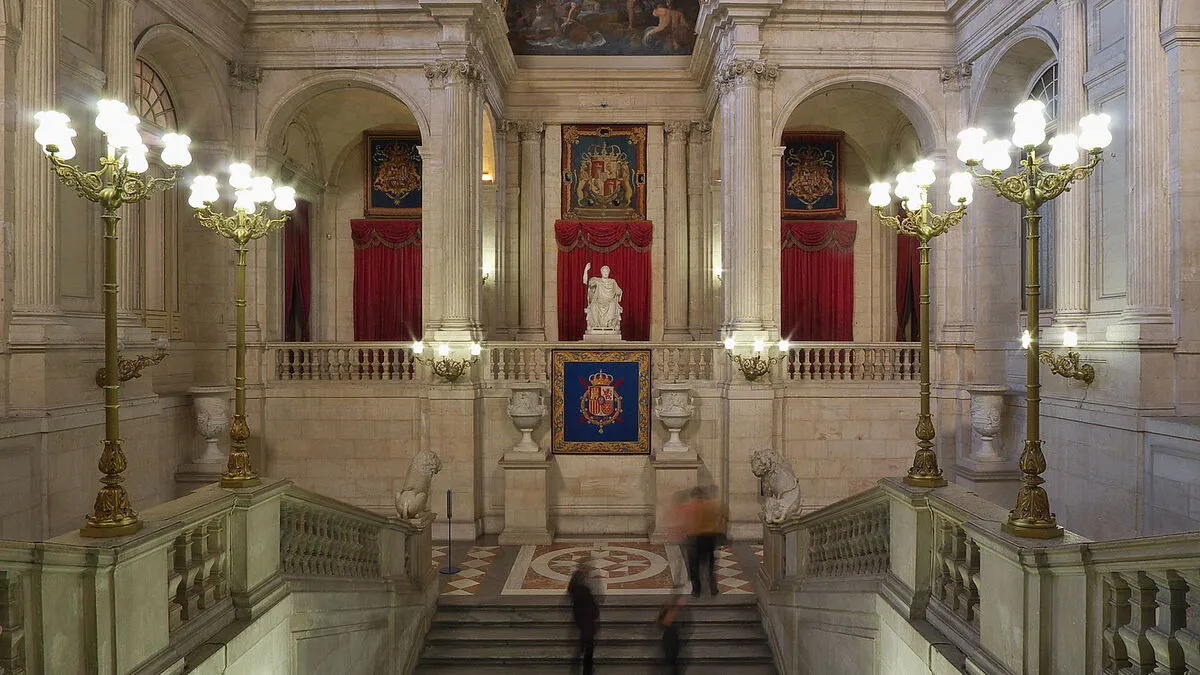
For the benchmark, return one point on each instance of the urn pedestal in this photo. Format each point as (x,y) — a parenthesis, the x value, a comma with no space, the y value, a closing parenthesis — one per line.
(987,471)
(526,484)
(211,407)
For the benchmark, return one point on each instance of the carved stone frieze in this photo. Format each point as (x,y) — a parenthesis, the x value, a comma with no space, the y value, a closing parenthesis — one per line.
(956,77)
(245,75)
(745,71)
(453,71)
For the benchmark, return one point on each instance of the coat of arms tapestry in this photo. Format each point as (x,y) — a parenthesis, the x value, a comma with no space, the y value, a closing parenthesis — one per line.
(393,180)
(600,401)
(812,177)
(604,172)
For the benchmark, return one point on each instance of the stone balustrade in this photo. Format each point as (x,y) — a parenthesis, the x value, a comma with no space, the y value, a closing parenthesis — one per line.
(503,362)
(900,579)
(227,564)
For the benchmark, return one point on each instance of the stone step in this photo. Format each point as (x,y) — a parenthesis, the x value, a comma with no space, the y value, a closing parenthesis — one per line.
(601,669)
(536,656)
(487,614)
(642,631)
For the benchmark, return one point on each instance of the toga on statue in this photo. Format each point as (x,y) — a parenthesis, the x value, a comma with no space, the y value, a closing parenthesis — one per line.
(603,301)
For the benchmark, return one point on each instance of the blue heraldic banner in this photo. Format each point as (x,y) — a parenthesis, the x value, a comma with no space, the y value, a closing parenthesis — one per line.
(600,401)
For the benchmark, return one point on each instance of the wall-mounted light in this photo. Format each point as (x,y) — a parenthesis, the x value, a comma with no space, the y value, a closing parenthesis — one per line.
(759,362)
(487,177)
(1068,364)
(718,271)
(443,366)
(487,270)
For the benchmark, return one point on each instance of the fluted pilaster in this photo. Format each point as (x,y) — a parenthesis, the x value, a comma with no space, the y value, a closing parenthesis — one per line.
(509,271)
(700,262)
(676,328)
(118,85)
(458,79)
(1149,293)
(36,243)
(532,231)
(1071,208)
(738,84)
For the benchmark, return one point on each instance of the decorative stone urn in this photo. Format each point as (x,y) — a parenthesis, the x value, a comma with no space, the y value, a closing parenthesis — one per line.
(526,408)
(674,408)
(987,404)
(212,420)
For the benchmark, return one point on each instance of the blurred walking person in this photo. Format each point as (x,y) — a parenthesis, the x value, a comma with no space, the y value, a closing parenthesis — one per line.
(672,622)
(707,529)
(679,531)
(586,612)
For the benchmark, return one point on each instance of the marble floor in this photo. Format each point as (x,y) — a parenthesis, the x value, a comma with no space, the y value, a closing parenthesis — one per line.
(619,567)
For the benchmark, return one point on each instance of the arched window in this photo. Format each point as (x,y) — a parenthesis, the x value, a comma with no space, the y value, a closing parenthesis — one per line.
(1044,89)
(151,101)
(157,220)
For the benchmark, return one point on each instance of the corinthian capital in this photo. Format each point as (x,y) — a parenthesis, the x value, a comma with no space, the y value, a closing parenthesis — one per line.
(453,71)
(677,130)
(700,131)
(956,77)
(529,130)
(745,71)
(245,75)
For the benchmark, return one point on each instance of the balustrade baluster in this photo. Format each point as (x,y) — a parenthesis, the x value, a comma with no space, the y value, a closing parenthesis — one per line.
(1142,610)
(1170,617)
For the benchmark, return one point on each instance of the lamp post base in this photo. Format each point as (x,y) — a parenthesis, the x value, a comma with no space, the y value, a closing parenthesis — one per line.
(114,530)
(1032,530)
(918,480)
(240,481)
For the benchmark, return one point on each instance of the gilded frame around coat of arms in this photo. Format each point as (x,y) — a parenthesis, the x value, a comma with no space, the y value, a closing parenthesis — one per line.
(604,172)
(810,173)
(393,175)
(600,401)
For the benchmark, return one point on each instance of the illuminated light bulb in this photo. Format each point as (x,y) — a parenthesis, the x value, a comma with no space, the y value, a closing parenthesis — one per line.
(1026,340)
(784,345)
(971,145)
(418,347)
(476,348)
(239,176)
(245,202)
(487,177)
(880,195)
(443,350)
(203,191)
(1070,339)
(729,344)
(922,173)
(175,150)
(52,129)
(1063,150)
(1094,133)
(759,345)
(110,116)
(1029,124)
(285,199)
(996,156)
(260,188)
(135,158)
(961,189)
(717,270)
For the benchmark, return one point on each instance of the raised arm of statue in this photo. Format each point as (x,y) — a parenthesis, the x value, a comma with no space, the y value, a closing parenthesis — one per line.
(586,269)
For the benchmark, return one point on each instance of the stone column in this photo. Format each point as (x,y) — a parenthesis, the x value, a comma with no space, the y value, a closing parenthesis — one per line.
(244,80)
(532,235)
(737,84)
(1071,209)
(118,85)
(700,260)
(1148,307)
(509,270)
(458,79)
(676,230)
(36,242)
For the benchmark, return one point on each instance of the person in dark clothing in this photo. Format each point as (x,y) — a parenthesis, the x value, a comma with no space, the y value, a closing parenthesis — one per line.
(671,622)
(706,528)
(587,617)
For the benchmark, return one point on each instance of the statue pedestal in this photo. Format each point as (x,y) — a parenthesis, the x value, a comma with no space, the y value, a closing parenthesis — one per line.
(674,472)
(526,499)
(602,335)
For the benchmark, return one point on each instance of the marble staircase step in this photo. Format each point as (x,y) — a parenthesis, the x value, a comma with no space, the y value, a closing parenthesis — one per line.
(641,631)
(552,654)
(554,614)
(601,669)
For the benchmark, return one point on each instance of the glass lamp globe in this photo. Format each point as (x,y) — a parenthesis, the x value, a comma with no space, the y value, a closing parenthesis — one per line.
(261,189)
(239,176)
(1070,339)
(961,189)
(729,344)
(135,158)
(1094,133)
(784,345)
(1026,340)
(1029,124)
(175,150)
(418,347)
(245,202)
(880,195)
(923,174)
(285,199)
(476,348)
(443,350)
(110,116)
(971,145)
(996,155)
(1063,150)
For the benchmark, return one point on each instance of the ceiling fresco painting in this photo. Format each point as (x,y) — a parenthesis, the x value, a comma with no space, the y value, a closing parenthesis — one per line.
(602,27)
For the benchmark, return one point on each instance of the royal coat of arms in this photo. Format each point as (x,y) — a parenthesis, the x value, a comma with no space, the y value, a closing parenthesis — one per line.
(811,177)
(604,179)
(393,176)
(600,403)
(604,172)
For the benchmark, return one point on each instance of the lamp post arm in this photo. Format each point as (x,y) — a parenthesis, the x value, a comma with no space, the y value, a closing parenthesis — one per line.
(1011,188)
(136,189)
(87,184)
(1051,184)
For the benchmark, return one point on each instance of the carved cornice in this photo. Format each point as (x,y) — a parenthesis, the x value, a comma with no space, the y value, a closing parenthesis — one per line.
(677,130)
(740,72)
(956,77)
(453,71)
(245,75)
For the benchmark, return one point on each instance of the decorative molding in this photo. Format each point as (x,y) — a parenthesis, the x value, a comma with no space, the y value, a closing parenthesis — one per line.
(677,130)
(245,75)
(445,72)
(956,77)
(529,130)
(745,71)
(700,131)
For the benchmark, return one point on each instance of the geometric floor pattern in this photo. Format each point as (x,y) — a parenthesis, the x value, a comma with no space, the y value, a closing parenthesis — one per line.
(730,578)
(617,568)
(471,569)
(757,550)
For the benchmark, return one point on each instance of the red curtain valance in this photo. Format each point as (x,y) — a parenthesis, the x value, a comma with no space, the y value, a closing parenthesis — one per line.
(603,236)
(818,235)
(387,233)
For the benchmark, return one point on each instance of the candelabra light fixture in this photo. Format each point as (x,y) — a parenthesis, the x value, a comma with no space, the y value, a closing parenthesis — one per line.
(912,187)
(128,369)
(1031,186)
(1067,365)
(759,362)
(442,365)
(246,224)
(120,180)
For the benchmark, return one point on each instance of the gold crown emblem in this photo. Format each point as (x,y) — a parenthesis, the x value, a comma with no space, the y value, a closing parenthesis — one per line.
(601,379)
(605,152)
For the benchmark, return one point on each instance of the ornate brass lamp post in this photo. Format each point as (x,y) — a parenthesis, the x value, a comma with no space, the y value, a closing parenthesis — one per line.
(921,222)
(118,181)
(759,362)
(1031,187)
(245,225)
(443,366)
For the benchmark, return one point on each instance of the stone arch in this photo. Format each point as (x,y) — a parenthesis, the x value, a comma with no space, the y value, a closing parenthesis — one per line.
(920,112)
(1003,77)
(280,115)
(195,83)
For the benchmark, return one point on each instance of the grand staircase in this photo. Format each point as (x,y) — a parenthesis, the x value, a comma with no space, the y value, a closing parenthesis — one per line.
(725,636)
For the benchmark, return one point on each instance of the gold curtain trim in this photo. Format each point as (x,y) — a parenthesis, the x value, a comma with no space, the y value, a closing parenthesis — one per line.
(832,239)
(375,239)
(581,241)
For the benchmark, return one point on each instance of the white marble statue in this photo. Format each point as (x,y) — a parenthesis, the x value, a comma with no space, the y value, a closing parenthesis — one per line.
(413,499)
(779,485)
(603,302)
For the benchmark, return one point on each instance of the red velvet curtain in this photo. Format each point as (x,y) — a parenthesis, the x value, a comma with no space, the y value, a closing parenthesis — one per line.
(297,274)
(625,248)
(908,289)
(387,280)
(817,280)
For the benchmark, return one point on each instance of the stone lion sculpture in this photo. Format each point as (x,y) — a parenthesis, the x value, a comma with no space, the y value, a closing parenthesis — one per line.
(779,485)
(413,498)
